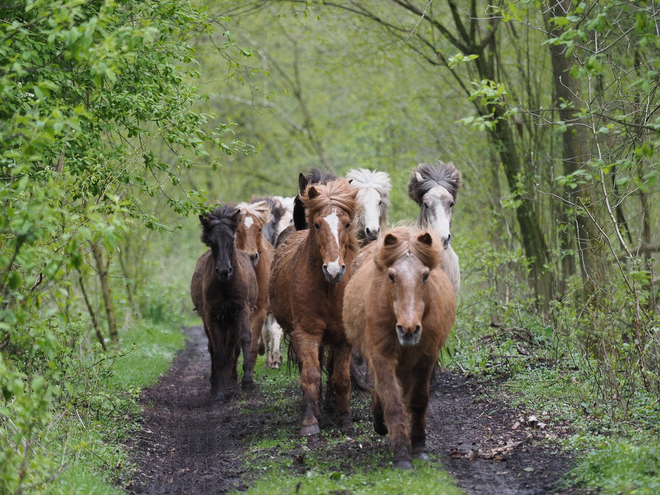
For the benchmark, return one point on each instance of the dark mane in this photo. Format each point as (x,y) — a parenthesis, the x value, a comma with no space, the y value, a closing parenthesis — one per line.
(315,176)
(220,215)
(440,174)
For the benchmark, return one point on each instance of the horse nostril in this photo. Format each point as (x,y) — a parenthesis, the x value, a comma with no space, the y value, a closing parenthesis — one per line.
(418,329)
(400,331)
(378,231)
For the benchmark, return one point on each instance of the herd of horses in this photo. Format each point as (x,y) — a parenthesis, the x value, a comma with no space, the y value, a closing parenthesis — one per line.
(323,268)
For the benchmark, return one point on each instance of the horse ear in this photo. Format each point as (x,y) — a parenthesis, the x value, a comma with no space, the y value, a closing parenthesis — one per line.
(236,215)
(302,182)
(419,177)
(390,239)
(313,193)
(203,220)
(425,238)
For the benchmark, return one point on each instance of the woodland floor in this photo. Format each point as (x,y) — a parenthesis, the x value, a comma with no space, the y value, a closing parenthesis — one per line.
(191,445)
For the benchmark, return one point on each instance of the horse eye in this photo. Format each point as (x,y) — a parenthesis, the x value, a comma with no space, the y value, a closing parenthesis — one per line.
(348,224)
(317,226)
(391,277)
(425,205)
(425,277)
(451,205)
(259,230)
(380,202)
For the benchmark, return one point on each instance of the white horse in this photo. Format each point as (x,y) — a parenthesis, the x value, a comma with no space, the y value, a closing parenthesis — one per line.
(374,202)
(434,189)
(287,215)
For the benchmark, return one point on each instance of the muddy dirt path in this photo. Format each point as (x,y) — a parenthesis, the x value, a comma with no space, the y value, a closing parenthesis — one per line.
(190,445)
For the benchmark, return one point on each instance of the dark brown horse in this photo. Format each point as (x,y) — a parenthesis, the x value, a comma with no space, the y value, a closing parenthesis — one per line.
(399,308)
(224,292)
(249,238)
(309,273)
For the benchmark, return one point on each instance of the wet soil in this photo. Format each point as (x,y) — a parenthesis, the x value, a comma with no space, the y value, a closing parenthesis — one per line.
(188,444)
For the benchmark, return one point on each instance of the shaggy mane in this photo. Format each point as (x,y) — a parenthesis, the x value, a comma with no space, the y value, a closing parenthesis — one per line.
(408,242)
(338,192)
(441,174)
(363,177)
(223,214)
(260,210)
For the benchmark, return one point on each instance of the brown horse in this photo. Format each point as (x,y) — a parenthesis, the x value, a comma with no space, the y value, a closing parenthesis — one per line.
(249,238)
(398,309)
(224,292)
(309,274)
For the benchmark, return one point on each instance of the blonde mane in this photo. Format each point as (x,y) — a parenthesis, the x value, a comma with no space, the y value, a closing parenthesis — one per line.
(338,192)
(260,210)
(400,241)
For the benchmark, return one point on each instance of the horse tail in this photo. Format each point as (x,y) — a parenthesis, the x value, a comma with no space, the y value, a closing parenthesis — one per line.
(360,378)
(291,358)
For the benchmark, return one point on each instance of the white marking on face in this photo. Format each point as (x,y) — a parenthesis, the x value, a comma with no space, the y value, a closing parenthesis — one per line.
(333,268)
(333,222)
(248,221)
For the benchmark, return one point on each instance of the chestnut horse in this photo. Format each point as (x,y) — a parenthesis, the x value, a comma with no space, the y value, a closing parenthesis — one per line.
(309,273)
(250,239)
(224,293)
(399,308)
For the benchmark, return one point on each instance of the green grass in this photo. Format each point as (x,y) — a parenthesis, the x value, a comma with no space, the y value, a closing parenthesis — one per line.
(95,459)
(422,480)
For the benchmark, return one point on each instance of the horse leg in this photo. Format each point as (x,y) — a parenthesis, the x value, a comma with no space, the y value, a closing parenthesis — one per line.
(247,383)
(397,418)
(341,385)
(256,327)
(417,386)
(266,340)
(224,358)
(379,415)
(307,351)
(274,348)
(214,377)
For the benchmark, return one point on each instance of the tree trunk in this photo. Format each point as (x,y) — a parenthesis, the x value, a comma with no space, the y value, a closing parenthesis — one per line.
(576,151)
(107,294)
(92,314)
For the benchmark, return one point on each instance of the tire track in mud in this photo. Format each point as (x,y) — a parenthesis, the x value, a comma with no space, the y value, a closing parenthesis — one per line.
(188,444)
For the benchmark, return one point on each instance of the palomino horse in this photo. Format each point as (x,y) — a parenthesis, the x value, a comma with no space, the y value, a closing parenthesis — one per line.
(249,238)
(224,292)
(398,310)
(434,189)
(309,273)
(373,202)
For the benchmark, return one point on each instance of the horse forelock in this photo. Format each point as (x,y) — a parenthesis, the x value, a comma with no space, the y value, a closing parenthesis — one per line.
(337,192)
(426,176)
(261,210)
(363,177)
(407,241)
(221,216)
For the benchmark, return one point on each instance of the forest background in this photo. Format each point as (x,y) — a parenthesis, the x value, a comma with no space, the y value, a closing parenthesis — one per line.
(122,120)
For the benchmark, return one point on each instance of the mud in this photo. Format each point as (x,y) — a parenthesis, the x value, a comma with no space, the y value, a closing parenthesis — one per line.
(188,444)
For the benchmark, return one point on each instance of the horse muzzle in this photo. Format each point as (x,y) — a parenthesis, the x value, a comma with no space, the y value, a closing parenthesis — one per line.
(224,274)
(409,338)
(371,234)
(333,272)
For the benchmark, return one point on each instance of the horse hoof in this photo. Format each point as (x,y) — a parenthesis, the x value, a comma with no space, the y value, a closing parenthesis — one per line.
(221,397)
(403,465)
(247,386)
(276,366)
(346,425)
(309,430)
(421,456)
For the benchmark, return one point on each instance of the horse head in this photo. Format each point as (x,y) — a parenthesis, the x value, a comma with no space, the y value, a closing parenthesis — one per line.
(330,212)
(219,229)
(407,256)
(434,188)
(253,218)
(373,199)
